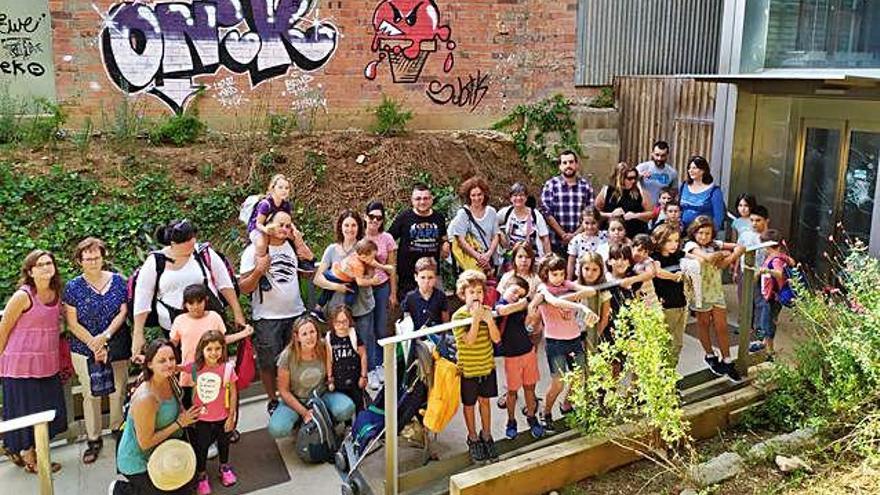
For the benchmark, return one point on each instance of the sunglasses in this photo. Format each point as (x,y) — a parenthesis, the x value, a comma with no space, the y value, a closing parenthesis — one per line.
(631,177)
(377,218)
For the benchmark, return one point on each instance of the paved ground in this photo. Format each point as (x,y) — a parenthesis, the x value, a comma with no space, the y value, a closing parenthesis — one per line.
(76,478)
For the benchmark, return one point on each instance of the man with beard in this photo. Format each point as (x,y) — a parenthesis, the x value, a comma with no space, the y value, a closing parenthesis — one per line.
(656,173)
(273,309)
(420,232)
(562,200)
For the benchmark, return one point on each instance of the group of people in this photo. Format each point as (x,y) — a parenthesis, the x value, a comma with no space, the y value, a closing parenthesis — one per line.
(535,266)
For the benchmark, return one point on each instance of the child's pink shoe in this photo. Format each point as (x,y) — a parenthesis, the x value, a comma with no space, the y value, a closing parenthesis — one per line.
(204,487)
(227,475)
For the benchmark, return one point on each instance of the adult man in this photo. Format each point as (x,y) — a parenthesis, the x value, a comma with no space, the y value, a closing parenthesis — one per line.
(274,309)
(420,231)
(656,173)
(562,200)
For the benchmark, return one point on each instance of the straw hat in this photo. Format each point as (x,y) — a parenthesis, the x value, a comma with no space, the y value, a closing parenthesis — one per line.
(172,465)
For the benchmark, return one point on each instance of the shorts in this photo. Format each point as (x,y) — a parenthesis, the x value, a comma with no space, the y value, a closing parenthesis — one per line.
(766,318)
(485,386)
(521,370)
(270,337)
(563,355)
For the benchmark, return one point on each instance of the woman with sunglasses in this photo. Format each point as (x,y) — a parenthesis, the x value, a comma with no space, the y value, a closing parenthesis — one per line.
(95,310)
(30,356)
(385,293)
(167,272)
(624,197)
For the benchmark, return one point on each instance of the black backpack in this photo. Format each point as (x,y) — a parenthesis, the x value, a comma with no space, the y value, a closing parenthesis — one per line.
(316,440)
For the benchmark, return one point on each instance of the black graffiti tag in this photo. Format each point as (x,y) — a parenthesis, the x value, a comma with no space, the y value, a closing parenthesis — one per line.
(460,93)
(21,47)
(27,24)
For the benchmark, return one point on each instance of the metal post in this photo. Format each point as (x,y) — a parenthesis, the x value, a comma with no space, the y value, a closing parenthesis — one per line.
(391,469)
(746,298)
(44,466)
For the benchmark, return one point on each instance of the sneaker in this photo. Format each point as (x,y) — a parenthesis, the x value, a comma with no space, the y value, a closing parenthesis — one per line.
(318,315)
(756,346)
(732,374)
(227,475)
(204,486)
(547,422)
(265,284)
(491,450)
(373,381)
(380,374)
(535,427)
(511,430)
(715,365)
(271,406)
(213,452)
(477,450)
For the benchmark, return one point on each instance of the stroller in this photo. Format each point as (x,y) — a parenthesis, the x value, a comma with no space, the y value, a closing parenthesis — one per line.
(369,425)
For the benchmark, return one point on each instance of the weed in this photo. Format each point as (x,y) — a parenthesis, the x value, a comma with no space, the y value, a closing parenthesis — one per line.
(279,127)
(317,163)
(83,139)
(179,129)
(605,98)
(206,170)
(33,122)
(391,118)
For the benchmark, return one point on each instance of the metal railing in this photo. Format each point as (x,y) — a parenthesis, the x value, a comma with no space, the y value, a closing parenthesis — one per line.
(40,423)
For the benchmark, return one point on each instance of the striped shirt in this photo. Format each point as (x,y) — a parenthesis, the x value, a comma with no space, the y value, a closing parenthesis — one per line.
(474,360)
(565,203)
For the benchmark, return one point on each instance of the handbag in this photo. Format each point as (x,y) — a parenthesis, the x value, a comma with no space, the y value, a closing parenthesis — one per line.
(245,364)
(464,260)
(100,378)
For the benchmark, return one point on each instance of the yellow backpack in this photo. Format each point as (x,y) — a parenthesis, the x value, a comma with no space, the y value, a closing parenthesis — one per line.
(445,395)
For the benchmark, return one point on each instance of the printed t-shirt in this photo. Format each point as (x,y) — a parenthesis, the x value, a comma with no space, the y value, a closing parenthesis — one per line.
(346,360)
(350,268)
(305,376)
(284,300)
(418,237)
(210,390)
(188,331)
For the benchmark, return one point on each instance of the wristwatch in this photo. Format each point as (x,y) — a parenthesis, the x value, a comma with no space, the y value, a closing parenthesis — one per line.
(107,335)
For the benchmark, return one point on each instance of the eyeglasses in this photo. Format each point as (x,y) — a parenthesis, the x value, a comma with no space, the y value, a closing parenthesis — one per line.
(92,260)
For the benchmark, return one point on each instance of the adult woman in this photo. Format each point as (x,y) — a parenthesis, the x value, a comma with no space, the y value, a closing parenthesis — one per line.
(302,369)
(29,354)
(179,265)
(624,197)
(95,310)
(475,226)
(349,230)
(522,223)
(155,415)
(699,196)
(385,293)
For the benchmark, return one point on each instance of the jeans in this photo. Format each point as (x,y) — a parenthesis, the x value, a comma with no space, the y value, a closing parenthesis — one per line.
(365,330)
(284,419)
(381,293)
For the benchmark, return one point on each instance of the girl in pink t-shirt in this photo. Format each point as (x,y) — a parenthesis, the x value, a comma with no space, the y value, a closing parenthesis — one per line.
(215,392)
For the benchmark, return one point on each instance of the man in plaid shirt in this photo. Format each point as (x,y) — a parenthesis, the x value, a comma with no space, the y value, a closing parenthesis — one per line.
(563,199)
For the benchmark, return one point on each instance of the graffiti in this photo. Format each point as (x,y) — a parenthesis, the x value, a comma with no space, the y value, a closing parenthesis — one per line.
(461,93)
(228,94)
(406,32)
(159,49)
(27,24)
(303,96)
(21,47)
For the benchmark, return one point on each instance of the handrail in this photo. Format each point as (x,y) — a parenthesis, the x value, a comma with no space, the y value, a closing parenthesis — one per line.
(40,422)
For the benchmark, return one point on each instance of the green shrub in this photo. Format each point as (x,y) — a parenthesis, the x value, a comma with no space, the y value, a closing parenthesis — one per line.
(391,118)
(179,129)
(317,163)
(280,126)
(605,98)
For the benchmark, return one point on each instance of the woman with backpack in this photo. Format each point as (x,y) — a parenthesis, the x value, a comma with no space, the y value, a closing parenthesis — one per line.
(475,228)
(520,222)
(100,340)
(157,287)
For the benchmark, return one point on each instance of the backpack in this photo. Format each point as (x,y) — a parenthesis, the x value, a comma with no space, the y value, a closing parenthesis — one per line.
(204,258)
(152,316)
(787,294)
(444,396)
(248,206)
(316,440)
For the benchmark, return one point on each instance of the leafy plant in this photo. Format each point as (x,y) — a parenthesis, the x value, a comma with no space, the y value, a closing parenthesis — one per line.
(605,98)
(179,129)
(32,122)
(317,163)
(83,139)
(280,126)
(533,125)
(127,122)
(391,118)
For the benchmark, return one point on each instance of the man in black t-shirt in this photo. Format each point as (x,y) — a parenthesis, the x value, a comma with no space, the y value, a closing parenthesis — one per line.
(419,232)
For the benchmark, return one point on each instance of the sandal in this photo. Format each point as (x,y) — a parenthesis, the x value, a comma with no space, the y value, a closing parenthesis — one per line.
(234,436)
(91,453)
(13,457)
(32,468)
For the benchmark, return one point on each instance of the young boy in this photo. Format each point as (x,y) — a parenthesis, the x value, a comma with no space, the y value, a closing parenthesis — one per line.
(667,194)
(427,306)
(760,220)
(475,360)
(772,273)
(672,210)
(520,357)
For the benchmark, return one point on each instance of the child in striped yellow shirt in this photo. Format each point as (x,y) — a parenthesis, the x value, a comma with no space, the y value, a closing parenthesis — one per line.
(476,362)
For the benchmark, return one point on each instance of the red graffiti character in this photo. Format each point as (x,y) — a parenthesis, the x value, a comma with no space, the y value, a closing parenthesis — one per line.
(407,31)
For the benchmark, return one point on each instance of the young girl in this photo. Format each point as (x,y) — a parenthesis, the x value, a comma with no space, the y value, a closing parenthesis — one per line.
(745,204)
(564,347)
(616,237)
(347,357)
(588,240)
(667,194)
(258,227)
(188,328)
(714,256)
(592,272)
(216,394)
(642,247)
(523,266)
(669,286)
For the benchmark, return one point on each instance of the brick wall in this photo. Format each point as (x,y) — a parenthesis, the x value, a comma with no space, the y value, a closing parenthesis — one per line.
(504,52)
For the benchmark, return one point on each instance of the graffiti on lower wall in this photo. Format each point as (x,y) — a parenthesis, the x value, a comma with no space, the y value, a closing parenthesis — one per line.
(159,49)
